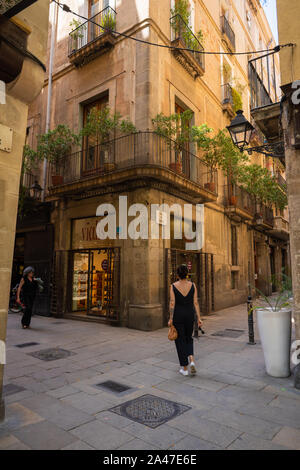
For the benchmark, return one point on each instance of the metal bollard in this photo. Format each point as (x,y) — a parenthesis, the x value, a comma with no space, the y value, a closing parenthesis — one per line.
(250,321)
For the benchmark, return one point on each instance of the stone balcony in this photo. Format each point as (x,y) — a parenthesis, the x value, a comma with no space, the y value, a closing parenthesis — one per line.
(92,38)
(143,159)
(182,37)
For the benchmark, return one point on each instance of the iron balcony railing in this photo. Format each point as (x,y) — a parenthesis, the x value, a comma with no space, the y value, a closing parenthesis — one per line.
(236,196)
(227,97)
(96,26)
(227,29)
(181,31)
(141,149)
(281,181)
(28,181)
(264,87)
(265,213)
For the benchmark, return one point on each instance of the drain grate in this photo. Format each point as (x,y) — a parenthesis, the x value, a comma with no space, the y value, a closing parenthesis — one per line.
(26,345)
(113,386)
(11,389)
(150,410)
(51,354)
(229,333)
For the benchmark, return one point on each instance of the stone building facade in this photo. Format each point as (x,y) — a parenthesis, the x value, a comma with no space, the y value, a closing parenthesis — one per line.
(21,80)
(127,280)
(289,32)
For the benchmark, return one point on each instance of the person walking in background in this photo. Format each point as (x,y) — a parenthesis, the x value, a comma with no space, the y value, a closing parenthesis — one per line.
(28,287)
(183,304)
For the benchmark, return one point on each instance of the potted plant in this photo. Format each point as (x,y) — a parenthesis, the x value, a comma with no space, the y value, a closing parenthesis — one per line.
(101,124)
(274,321)
(77,33)
(108,22)
(55,146)
(177,131)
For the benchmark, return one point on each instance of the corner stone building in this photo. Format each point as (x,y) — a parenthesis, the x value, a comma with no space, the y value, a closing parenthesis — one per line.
(128,280)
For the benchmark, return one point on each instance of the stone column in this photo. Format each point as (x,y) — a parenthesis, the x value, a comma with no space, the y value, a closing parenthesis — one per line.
(292,158)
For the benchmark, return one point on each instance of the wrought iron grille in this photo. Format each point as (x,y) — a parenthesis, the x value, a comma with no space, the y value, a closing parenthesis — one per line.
(227,29)
(102,23)
(201,272)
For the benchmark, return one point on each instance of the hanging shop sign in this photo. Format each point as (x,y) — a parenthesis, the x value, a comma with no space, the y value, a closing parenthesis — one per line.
(11,8)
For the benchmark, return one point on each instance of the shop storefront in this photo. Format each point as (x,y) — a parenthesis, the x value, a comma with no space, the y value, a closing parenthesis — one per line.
(90,270)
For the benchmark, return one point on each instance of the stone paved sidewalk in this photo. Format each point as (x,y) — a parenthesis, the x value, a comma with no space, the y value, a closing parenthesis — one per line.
(56,405)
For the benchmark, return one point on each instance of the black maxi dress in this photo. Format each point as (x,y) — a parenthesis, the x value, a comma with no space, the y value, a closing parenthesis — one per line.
(29,290)
(183,320)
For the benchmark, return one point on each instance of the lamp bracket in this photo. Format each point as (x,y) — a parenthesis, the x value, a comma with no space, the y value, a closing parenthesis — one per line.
(275,149)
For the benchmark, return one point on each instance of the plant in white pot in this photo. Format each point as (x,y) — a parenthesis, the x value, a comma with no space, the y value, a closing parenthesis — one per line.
(274,321)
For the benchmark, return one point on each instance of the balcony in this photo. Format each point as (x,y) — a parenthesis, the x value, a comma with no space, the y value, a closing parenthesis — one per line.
(228,33)
(239,204)
(281,228)
(282,182)
(136,159)
(182,37)
(264,217)
(92,38)
(227,100)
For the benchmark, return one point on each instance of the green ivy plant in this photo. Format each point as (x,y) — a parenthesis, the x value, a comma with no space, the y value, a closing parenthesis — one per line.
(180,18)
(236,100)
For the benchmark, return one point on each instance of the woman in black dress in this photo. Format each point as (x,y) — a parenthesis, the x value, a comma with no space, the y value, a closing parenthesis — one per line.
(28,286)
(183,304)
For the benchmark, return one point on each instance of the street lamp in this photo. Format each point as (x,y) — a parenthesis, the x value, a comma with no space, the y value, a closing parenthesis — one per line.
(36,191)
(240,130)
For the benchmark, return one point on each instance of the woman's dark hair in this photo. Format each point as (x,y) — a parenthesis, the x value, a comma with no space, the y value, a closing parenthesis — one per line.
(182,271)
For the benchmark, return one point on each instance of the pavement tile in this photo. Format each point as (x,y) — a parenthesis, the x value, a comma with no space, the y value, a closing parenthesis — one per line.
(101,435)
(274,414)
(288,437)
(78,445)
(193,443)
(17,416)
(162,437)
(44,436)
(249,442)
(137,444)
(210,431)
(91,404)
(62,392)
(242,422)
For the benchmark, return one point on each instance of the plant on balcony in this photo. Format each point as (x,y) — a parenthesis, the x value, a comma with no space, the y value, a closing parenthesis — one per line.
(54,146)
(180,18)
(176,129)
(262,186)
(236,100)
(77,29)
(108,22)
(101,124)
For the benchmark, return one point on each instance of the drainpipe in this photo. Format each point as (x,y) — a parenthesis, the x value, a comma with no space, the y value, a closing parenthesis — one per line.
(49,96)
(268,66)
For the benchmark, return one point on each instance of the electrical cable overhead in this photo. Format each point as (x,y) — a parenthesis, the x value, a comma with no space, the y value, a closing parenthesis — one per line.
(67,9)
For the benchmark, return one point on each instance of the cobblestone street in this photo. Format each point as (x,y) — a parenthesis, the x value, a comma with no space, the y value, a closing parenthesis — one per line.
(56,403)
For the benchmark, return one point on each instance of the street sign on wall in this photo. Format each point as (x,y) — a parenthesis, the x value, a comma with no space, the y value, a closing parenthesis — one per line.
(10,8)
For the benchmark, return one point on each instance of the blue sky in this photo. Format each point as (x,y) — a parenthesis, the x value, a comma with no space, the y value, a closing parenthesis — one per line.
(271,12)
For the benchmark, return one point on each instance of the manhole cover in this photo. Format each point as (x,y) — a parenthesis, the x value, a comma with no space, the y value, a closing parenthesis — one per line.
(229,333)
(113,386)
(51,354)
(26,345)
(150,410)
(10,389)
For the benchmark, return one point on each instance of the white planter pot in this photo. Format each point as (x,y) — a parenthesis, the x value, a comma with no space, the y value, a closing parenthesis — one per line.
(275,330)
